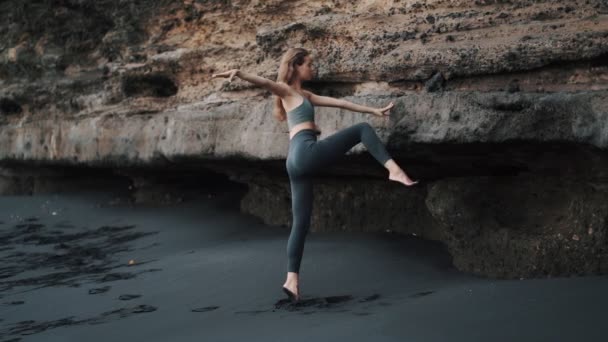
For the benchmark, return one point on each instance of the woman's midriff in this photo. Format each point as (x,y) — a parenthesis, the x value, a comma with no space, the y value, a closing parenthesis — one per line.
(303,125)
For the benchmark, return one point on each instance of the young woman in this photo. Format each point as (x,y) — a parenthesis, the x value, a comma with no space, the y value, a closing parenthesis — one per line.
(307,155)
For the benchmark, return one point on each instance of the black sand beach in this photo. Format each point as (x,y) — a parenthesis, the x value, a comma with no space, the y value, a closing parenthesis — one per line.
(75,268)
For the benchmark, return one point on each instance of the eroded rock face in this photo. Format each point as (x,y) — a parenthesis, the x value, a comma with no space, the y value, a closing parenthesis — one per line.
(346,204)
(511,227)
(505,97)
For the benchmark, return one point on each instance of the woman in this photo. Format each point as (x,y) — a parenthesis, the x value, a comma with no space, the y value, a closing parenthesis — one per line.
(307,155)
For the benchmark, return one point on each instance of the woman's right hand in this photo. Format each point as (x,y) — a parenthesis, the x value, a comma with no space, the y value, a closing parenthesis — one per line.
(383,112)
(230,74)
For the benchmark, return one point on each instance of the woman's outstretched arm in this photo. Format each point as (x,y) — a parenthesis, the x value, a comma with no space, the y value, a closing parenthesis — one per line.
(326,101)
(278,88)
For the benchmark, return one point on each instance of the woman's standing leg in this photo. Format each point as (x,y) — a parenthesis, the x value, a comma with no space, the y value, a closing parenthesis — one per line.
(301,208)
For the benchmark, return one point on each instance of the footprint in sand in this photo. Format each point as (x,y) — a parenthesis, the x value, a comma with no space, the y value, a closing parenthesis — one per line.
(99,290)
(421,294)
(206,308)
(128,296)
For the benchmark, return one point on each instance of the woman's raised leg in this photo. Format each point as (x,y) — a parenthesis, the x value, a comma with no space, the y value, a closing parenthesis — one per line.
(328,149)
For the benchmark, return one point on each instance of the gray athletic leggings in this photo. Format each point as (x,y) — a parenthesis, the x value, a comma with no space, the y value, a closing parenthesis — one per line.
(307,156)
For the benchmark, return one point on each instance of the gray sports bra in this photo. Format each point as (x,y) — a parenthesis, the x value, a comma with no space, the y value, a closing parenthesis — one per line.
(304,112)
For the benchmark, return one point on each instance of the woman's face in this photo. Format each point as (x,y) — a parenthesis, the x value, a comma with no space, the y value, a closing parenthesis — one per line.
(306,70)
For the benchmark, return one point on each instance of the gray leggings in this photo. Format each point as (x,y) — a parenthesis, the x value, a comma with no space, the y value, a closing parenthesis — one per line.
(307,156)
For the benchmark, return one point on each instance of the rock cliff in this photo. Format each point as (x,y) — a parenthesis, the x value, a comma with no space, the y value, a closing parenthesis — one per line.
(500,112)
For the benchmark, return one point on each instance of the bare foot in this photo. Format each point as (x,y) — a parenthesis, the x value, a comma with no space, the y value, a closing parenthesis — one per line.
(401,177)
(293,287)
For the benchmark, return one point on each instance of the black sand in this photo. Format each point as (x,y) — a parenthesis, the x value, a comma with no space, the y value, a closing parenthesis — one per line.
(201,271)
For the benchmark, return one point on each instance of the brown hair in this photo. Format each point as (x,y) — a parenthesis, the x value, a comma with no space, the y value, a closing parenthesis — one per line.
(287,74)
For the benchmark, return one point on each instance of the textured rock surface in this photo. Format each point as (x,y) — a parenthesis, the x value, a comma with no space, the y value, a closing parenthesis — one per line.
(505,227)
(511,97)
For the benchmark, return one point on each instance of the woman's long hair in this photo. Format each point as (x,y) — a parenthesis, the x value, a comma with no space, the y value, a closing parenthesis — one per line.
(286,74)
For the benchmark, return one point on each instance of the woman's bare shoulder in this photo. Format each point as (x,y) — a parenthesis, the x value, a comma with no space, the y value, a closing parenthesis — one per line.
(308,93)
(297,94)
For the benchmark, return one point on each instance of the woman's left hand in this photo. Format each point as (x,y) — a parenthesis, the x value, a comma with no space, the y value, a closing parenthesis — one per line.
(383,112)
(230,74)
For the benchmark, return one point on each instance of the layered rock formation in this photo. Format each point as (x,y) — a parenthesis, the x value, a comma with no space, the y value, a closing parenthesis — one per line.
(500,112)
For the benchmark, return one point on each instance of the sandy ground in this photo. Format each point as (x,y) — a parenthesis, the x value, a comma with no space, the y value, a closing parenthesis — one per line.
(202,271)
